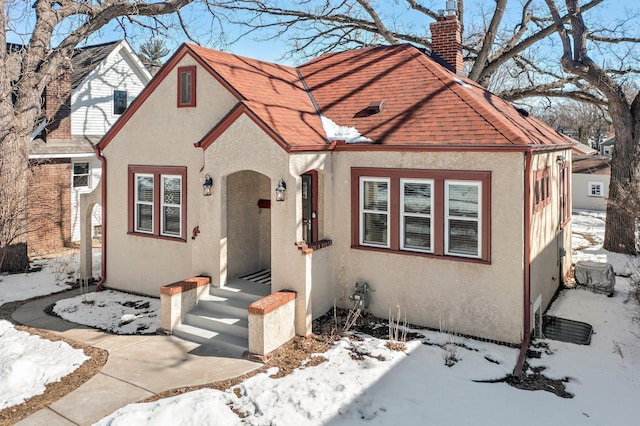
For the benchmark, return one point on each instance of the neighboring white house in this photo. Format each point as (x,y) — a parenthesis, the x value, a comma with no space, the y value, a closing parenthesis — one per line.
(590,186)
(606,146)
(81,107)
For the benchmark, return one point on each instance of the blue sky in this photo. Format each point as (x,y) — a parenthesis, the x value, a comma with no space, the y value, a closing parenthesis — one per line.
(273,50)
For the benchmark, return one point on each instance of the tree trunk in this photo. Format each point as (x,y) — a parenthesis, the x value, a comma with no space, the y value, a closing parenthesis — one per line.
(624,198)
(13,203)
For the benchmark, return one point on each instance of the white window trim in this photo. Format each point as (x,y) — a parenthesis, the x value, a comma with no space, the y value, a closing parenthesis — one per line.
(403,215)
(590,187)
(163,205)
(147,203)
(73,175)
(362,212)
(478,220)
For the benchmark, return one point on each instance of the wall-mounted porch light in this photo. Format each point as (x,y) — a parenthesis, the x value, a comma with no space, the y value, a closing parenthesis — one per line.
(560,159)
(206,186)
(280,190)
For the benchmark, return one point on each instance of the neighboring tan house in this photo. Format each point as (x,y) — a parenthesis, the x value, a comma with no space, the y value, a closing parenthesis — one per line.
(80,107)
(376,165)
(590,182)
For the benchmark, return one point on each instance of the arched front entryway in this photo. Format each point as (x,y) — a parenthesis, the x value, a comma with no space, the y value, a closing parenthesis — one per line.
(248,223)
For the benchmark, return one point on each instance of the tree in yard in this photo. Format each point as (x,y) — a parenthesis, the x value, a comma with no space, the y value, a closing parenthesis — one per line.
(625,117)
(152,51)
(582,121)
(49,31)
(507,47)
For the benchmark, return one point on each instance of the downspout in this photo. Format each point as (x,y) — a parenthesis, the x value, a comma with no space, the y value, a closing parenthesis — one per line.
(517,371)
(103,266)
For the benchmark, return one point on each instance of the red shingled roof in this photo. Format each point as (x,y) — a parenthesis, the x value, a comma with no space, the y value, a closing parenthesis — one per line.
(425,105)
(274,93)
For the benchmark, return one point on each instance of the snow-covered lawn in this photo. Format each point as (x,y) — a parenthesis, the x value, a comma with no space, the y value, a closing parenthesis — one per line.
(364,382)
(113,311)
(28,363)
(51,278)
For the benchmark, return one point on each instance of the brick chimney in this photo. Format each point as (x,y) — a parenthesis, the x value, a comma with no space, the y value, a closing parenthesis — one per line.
(58,107)
(446,38)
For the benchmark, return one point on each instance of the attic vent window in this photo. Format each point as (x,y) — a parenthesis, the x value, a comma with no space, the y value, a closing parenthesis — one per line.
(187,87)
(375,107)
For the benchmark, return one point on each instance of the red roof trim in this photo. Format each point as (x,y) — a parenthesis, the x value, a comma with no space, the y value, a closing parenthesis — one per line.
(231,118)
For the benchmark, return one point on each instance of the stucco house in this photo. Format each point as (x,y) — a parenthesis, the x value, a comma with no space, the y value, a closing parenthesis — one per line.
(381,165)
(590,176)
(80,107)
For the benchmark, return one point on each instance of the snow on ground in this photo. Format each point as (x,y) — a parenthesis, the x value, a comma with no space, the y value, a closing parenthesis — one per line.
(28,363)
(364,382)
(113,311)
(49,276)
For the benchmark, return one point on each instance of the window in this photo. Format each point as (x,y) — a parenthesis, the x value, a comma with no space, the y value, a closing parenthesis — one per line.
(144,203)
(462,218)
(171,202)
(187,86)
(119,101)
(595,189)
(81,175)
(416,206)
(374,203)
(422,212)
(565,201)
(157,206)
(310,207)
(541,189)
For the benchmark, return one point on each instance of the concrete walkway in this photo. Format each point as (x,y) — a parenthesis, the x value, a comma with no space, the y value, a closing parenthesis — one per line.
(138,367)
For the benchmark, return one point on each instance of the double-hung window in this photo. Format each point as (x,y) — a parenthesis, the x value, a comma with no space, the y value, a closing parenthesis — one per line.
(81,175)
(144,203)
(171,202)
(416,206)
(463,215)
(374,220)
(440,213)
(157,206)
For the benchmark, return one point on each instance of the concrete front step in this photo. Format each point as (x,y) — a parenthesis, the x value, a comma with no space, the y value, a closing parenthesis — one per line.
(217,321)
(220,318)
(234,345)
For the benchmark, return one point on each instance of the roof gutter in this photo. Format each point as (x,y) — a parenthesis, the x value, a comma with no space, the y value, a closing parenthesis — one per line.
(103,266)
(517,371)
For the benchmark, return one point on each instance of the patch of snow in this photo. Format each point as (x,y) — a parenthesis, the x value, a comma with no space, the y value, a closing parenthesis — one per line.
(29,362)
(336,132)
(365,382)
(113,311)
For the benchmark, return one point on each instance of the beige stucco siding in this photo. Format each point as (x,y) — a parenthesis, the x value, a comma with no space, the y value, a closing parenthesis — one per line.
(484,300)
(159,134)
(549,237)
